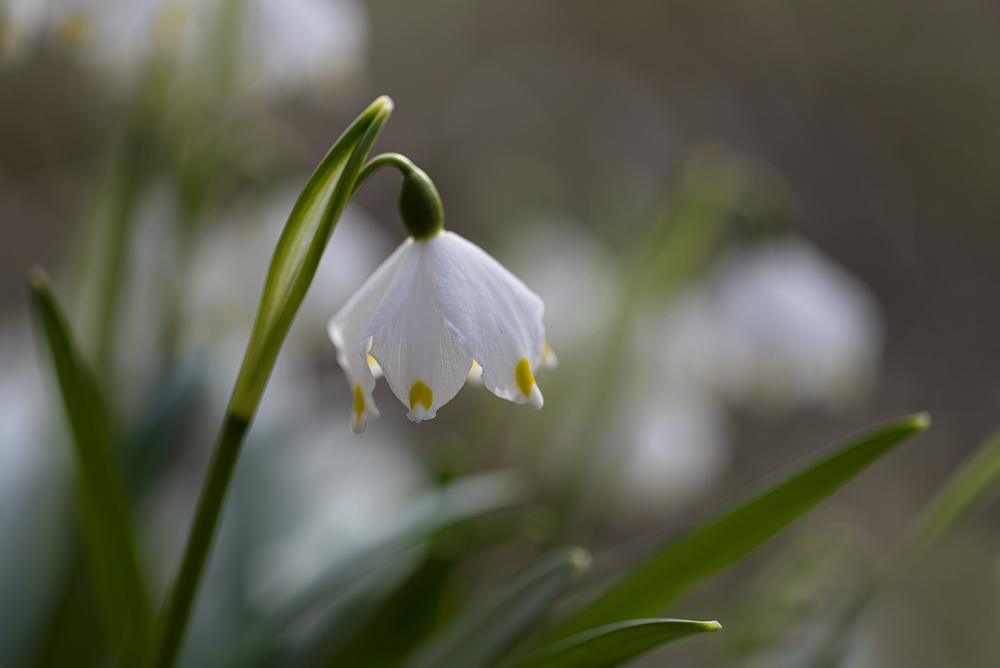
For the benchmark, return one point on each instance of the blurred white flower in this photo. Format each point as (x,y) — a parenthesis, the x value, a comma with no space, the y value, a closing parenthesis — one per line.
(778,326)
(304,45)
(680,444)
(20,20)
(328,496)
(282,46)
(573,274)
(230,265)
(33,480)
(118,37)
(435,305)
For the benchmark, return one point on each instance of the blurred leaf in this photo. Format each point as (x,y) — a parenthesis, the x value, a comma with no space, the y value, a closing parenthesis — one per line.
(154,440)
(302,243)
(611,645)
(354,587)
(103,511)
(964,491)
(401,622)
(481,636)
(72,638)
(696,218)
(723,540)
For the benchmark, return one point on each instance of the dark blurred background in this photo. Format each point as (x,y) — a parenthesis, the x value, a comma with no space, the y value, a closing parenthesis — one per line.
(880,117)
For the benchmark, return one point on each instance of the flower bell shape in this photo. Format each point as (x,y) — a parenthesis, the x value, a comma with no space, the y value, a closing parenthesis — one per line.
(438,305)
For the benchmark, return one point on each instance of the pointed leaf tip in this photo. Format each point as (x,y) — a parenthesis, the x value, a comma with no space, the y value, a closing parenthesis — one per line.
(726,537)
(611,645)
(385,102)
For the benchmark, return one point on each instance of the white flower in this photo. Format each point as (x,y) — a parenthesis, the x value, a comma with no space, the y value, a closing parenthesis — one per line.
(680,444)
(427,312)
(779,326)
(283,46)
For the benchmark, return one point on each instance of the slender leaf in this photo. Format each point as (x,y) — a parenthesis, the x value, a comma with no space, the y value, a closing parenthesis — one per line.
(103,510)
(481,636)
(964,491)
(402,622)
(724,539)
(300,248)
(292,269)
(611,645)
(355,577)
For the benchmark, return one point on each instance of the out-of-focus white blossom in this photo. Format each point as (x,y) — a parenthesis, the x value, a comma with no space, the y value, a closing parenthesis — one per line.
(573,274)
(20,21)
(282,46)
(230,266)
(680,443)
(304,45)
(330,495)
(778,325)
(33,489)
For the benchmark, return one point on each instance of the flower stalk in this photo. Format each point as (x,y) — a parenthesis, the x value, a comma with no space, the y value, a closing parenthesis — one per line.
(293,266)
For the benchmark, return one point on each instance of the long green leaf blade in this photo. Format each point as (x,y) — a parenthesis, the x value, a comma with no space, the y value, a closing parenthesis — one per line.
(480,637)
(724,539)
(103,510)
(612,645)
(300,248)
(293,266)
(964,491)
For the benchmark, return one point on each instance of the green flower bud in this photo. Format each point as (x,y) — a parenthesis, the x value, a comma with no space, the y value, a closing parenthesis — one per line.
(420,205)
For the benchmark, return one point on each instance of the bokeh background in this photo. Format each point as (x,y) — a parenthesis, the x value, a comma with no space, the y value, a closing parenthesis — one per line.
(832,168)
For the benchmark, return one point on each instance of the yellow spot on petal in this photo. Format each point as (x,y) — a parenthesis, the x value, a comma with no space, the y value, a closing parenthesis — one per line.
(546,351)
(522,374)
(359,401)
(421,394)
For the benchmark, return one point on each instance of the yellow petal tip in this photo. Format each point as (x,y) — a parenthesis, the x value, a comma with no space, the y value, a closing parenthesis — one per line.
(522,374)
(421,394)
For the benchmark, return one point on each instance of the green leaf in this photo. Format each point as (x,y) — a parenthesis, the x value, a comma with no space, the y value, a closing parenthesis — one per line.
(611,645)
(104,513)
(293,266)
(723,540)
(300,249)
(401,622)
(964,491)
(348,588)
(481,636)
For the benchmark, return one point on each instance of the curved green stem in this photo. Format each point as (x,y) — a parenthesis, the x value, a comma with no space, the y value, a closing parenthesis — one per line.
(419,203)
(380,161)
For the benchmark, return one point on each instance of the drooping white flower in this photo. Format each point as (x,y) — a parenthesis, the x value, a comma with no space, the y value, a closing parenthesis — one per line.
(435,305)
(779,325)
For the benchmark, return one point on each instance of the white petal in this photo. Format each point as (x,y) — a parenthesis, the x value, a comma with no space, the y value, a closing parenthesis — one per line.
(347,328)
(549,359)
(495,316)
(475,374)
(422,360)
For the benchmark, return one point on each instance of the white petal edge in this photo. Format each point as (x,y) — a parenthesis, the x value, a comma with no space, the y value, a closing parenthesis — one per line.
(346,329)
(497,319)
